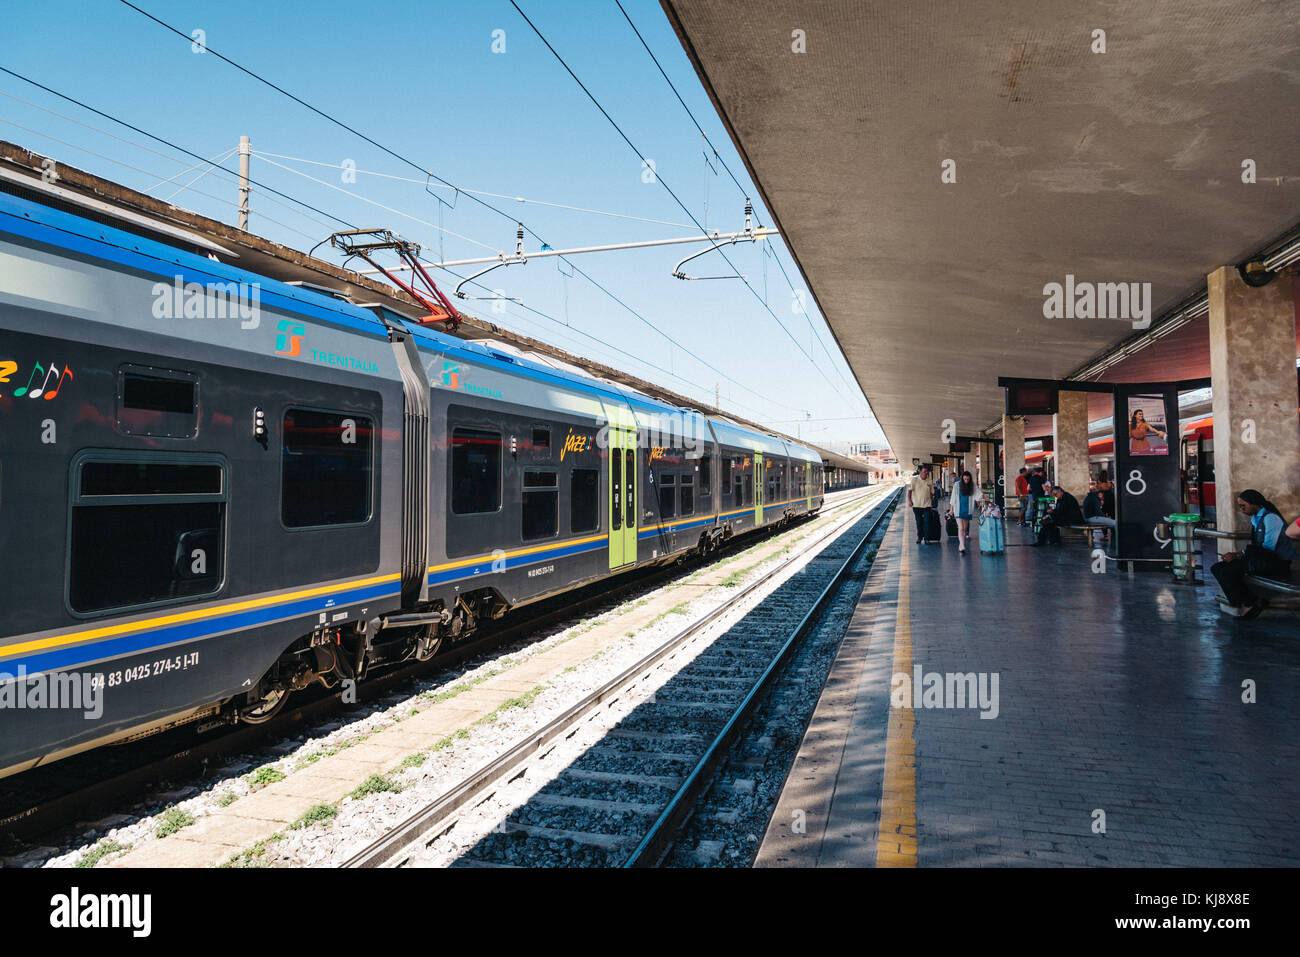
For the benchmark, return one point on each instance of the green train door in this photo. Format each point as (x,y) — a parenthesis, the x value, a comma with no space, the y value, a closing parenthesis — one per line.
(758,488)
(622,496)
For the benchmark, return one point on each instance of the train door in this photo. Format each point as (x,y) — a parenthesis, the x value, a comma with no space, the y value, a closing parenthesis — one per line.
(758,488)
(807,484)
(623,470)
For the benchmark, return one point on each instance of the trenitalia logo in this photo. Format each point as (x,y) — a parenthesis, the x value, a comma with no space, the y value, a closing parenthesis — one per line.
(288,341)
(452,379)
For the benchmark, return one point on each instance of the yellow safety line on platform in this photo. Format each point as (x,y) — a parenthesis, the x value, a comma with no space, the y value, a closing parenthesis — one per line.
(897,842)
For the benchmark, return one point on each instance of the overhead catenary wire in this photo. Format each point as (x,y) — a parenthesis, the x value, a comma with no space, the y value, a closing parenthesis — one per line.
(723,162)
(171,159)
(659,178)
(477,192)
(158,139)
(680,100)
(145,172)
(414,165)
(262,190)
(397,212)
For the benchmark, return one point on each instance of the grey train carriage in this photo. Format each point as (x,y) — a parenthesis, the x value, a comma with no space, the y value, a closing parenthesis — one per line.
(217,488)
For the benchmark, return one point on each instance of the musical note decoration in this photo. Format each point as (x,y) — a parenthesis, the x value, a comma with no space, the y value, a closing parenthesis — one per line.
(43,390)
(67,374)
(19,393)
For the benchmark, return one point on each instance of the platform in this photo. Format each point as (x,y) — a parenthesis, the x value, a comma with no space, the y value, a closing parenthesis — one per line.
(1121,737)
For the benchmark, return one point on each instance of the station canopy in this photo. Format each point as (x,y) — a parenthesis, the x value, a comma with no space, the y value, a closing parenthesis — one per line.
(1122,166)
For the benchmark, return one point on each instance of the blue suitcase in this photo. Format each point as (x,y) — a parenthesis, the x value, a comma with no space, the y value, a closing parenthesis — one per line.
(993,540)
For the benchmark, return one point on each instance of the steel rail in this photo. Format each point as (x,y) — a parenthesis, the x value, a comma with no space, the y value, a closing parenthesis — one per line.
(661,837)
(436,818)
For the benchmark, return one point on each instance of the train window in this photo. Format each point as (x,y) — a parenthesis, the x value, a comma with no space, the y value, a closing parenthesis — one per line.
(629,480)
(541,513)
(145,530)
(616,490)
(149,478)
(688,495)
(739,485)
(584,500)
(475,471)
(706,474)
(326,466)
(157,394)
(667,493)
(157,402)
(541,443)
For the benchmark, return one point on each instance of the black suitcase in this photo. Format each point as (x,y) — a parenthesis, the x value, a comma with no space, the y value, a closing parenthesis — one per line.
(931,524)
(952,527)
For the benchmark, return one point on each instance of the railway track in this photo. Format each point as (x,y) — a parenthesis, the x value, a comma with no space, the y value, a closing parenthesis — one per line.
(40,801)
(623,798)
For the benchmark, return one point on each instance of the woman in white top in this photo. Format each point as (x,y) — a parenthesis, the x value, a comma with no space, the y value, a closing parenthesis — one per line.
(964,505)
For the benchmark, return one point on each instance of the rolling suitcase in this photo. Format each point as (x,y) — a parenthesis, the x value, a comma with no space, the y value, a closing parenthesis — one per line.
(931,524)
(952,527)
(992,536)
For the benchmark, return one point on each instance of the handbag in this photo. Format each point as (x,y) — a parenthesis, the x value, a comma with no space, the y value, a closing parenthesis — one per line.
(1259,561)
(952,527)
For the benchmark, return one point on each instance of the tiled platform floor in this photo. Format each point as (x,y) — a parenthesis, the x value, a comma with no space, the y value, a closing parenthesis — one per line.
(1117,693)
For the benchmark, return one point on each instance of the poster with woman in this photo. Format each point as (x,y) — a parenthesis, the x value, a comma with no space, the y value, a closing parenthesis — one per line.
(1148,432)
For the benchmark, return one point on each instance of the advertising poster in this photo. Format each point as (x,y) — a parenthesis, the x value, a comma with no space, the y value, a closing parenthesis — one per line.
(1147,425)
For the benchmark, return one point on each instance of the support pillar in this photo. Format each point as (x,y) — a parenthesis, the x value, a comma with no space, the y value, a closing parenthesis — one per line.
(1253,372)
(1013,453)
(1070,430)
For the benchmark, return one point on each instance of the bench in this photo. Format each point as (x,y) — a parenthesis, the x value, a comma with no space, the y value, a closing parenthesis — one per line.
(1287,591)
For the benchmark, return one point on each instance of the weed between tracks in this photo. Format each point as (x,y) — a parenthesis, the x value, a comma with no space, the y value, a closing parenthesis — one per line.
(252,856)
(173,819)
(101,851)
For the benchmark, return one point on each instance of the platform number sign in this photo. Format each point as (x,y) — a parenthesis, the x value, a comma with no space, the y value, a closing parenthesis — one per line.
(1147,479)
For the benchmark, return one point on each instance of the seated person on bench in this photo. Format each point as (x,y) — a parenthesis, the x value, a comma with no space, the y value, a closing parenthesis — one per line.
(1094,514)
(1268,555)
(1065,512)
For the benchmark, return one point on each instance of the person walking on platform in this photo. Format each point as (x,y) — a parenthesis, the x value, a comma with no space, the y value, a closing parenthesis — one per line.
(920,496)
(966,495)
(1022,492)
(1065,512)
(1269,554)
(1035,493)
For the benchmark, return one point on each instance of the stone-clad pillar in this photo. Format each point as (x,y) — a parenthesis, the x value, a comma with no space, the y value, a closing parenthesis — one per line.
(1252,368)
(1070,428)
(1013,453)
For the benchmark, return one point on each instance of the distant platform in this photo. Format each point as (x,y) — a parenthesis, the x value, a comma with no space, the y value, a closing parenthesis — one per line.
(1121,738)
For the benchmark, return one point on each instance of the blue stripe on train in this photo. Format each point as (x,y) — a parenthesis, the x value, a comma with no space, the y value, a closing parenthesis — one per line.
(485,567)
(65,658)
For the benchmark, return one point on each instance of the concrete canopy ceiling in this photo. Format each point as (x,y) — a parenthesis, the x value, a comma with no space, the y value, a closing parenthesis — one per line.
(1122,166)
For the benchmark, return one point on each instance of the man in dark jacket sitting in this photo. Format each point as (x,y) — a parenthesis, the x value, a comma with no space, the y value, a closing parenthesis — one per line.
(1065,512)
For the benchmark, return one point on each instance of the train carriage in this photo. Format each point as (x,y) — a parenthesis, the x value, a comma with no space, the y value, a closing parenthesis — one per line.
(217,488)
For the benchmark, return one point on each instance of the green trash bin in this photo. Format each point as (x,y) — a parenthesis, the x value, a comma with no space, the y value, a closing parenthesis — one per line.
(1182,527)
(1042,505)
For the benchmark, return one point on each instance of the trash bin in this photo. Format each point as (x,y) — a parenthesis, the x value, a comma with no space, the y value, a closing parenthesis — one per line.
(1042,505)
(1182,528)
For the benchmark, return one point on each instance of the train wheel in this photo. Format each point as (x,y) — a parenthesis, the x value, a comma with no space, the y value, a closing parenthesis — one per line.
(266,709)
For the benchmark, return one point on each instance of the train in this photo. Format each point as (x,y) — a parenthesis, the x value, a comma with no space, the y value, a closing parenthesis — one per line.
(218,488)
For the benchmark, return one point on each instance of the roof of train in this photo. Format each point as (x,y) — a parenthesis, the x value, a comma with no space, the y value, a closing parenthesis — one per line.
(41,222)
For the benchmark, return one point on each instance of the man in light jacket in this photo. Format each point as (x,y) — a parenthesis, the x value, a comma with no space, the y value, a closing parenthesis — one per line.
(920,496)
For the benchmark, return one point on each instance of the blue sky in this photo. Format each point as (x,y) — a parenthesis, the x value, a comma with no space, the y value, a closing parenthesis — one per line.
(422,80)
